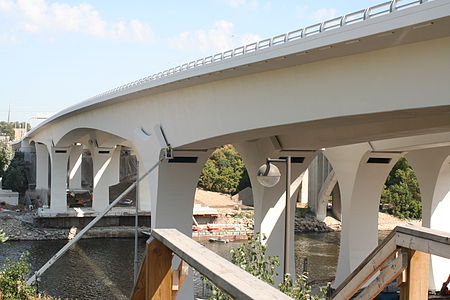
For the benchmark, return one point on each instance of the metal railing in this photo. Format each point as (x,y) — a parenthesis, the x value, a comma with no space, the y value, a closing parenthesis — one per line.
(351,18)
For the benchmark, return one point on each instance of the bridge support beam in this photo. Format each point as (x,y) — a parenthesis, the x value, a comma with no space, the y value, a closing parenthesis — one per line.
(360,181)
(269,203)
(432,168)
(105,162)
(58,183)
(41,166)
(75,159)
(172,189)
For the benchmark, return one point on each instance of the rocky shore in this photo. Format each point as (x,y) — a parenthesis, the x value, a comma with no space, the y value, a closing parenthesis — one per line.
(20,227)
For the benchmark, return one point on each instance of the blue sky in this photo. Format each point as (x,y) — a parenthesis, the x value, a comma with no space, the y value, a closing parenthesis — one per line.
(54,54)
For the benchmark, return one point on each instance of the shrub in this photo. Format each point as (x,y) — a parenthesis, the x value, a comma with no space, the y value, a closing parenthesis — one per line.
(401,194)
(13,285)
(252,258)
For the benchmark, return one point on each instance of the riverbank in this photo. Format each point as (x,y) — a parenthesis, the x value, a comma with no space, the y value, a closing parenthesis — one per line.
(21,225)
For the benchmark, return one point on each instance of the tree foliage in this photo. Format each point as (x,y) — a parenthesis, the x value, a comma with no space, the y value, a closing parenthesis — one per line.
(7,129)
(6,155)
(14,178)
(401,193)
(251,257)
(224,171)
(13,285)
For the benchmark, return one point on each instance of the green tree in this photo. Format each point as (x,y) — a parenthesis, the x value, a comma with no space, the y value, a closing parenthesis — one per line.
(6,155)
(401,193)
(14,178)
(224,171)
(7,129)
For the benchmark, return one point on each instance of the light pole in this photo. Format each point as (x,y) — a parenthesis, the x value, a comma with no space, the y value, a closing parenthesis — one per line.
(268,175)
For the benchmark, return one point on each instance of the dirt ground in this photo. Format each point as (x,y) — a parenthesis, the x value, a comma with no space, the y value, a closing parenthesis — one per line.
(214,200)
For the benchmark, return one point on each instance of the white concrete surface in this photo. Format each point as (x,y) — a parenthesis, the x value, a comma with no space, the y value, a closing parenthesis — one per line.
(106,162)
(361,184)
(75,158)
(58,183)
(432,168)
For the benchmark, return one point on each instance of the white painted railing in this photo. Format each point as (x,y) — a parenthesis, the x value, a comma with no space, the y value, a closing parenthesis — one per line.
(351,18)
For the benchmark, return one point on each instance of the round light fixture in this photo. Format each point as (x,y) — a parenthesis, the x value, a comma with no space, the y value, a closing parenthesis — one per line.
(268,175)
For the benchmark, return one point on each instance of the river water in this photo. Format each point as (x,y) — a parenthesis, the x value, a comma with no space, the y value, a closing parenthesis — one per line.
(103,268)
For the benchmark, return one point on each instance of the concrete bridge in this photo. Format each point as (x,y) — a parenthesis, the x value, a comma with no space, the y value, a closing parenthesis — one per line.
(364,89)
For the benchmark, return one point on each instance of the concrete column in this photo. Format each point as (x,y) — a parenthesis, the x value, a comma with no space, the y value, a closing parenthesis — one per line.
(172,188)
(361,175)
(75,158)
(106,164)
(269,203)
(144,187)
(304,187)
(42,157)
(58,184)
(432,168)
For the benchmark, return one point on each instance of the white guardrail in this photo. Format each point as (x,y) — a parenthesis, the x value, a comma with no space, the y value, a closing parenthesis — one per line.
(351,18)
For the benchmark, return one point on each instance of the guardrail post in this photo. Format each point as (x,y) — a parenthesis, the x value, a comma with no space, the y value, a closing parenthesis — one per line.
(417,273)
(158,269)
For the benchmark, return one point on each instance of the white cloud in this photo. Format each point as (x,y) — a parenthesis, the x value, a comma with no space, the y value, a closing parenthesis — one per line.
(7,38)
(219,38)
(324,14)
(240,3)
(37,16)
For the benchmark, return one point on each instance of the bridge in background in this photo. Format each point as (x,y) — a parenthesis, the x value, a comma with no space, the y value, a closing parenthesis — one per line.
(364,89)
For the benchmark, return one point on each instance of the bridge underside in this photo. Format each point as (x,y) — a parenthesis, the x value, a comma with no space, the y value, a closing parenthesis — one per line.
(364,108)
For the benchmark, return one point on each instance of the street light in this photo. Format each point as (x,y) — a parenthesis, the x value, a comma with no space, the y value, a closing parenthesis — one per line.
(268,175)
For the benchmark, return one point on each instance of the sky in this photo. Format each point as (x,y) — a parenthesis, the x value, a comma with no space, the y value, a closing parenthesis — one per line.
(54,54)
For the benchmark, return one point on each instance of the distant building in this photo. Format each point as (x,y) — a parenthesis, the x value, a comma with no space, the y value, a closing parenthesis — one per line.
(19,133)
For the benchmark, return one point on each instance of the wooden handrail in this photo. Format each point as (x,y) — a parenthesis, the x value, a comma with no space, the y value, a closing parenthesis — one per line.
(368,267)
(412,246)
(155,279)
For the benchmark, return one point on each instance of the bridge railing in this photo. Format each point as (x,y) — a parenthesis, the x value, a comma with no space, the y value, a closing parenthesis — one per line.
(157,280)
(351,18)
(402,256)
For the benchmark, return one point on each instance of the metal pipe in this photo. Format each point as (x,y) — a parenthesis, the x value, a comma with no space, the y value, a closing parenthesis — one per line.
(287,216)
(136,225)
(77,237)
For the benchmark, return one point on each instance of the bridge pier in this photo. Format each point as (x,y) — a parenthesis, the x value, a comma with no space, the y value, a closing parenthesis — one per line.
(42,169)
(58,199)
(432,168)
(106,163)
(172,191)
(269,203)
(360,181)
(75,159)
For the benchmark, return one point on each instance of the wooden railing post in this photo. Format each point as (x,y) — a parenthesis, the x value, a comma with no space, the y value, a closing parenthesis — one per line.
(417,273)
(158,269)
